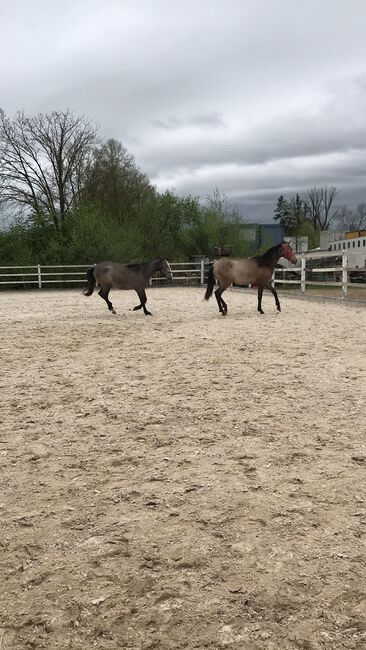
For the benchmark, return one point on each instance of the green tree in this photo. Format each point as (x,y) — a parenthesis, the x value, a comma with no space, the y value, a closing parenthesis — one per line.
(294,216)
(204,235)
(291,214)
(297,217)
(15,246)
(308,230)
(93,236)
(219,225)
(113,180)
(283,213)
(164,222)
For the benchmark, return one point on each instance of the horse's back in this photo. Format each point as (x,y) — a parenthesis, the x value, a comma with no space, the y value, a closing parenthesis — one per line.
(117,276)
(235,270)
(229,270)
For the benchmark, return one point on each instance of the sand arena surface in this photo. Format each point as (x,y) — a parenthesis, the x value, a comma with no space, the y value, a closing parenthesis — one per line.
(182,480)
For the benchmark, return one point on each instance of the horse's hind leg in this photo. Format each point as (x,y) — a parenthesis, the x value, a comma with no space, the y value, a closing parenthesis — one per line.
(143,300)
(224,305)
(220,301)
(274,293)
(104,293)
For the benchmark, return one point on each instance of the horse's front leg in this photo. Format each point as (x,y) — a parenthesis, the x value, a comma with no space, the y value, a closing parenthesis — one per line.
(260,295)
(143,300)
(274,293)
(146,312)
(139,293)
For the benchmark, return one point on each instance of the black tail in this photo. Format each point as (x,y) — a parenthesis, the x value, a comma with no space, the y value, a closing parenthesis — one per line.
(91,281)
(210,284)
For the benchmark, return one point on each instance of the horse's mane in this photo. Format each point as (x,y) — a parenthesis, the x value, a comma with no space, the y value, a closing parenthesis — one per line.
(266,258)
(137,265)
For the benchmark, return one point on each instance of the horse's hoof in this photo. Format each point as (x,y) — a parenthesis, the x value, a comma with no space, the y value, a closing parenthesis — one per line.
(278,308)
(113,311)
(148,313)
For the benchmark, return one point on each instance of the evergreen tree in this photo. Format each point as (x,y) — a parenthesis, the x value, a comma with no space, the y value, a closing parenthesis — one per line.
(282,213)
(291,214)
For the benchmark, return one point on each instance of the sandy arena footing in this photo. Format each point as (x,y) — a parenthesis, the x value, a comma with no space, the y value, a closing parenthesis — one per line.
(182,480)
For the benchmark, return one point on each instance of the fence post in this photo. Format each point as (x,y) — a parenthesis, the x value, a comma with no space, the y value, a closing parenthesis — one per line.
(39,276)
(303,273)
(202,271)
(344,275)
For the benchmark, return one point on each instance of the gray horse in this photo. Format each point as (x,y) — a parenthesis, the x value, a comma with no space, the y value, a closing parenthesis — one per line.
(111,275)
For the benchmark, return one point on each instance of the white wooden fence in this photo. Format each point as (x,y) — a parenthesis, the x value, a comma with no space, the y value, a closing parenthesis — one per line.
(42,276)
(305,269)
(193,273)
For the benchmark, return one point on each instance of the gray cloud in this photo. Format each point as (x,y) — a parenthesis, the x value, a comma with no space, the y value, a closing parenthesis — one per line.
(210,120)
(256,98)
(337,126)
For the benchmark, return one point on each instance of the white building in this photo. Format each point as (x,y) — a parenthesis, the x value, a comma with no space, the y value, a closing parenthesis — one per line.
(356,247)
(329,236)
(346,243)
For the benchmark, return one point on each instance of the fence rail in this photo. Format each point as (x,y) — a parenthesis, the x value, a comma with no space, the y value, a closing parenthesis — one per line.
(42,275)
(343,271)
(194,273)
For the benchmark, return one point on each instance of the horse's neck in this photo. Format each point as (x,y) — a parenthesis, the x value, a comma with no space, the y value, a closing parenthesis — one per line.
(274,261)
(153,266)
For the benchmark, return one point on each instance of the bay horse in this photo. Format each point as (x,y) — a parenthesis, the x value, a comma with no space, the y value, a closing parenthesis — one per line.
(112,275)
(256,270)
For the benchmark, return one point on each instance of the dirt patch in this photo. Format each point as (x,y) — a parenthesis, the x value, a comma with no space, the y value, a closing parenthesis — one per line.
(182,480)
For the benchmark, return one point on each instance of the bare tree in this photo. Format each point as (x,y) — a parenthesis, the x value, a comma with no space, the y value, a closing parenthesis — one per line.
(345,218)
(352,219)
(42,160)
(319,206)
(360,214)
(313,201)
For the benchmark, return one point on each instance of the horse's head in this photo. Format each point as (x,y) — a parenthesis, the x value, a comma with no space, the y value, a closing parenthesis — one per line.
(287,252)
(165,269)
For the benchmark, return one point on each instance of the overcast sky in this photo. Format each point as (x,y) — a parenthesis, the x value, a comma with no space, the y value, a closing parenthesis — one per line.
(255,97)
